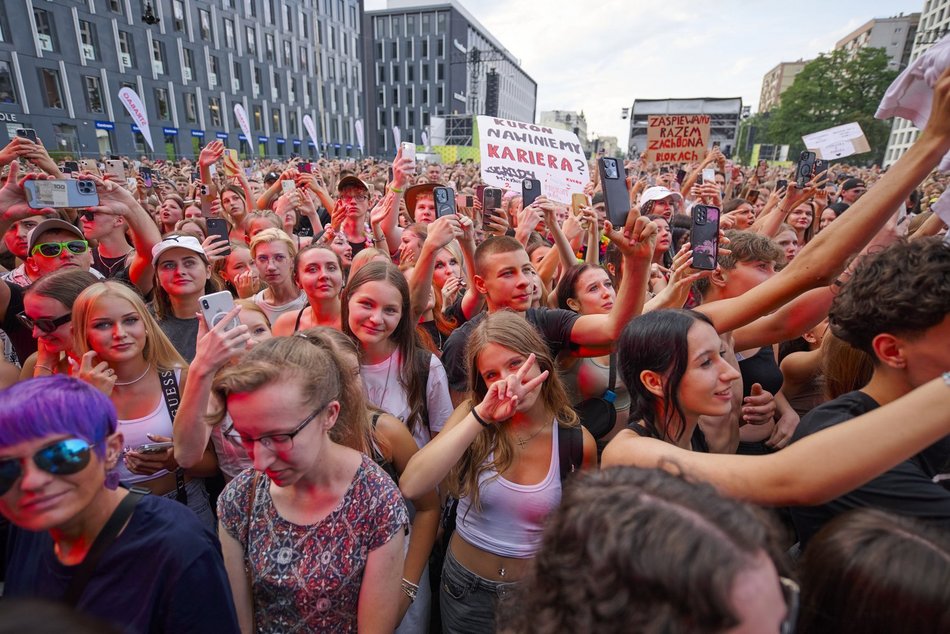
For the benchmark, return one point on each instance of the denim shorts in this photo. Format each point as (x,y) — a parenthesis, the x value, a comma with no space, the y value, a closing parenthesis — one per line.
(468,601)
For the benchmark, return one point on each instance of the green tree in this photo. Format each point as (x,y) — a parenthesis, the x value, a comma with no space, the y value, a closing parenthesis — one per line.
(832,90)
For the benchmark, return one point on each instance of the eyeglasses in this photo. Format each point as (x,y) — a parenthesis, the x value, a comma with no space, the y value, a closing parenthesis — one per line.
(357,197)
(44,324)
(53,249)
(276,442)
(65,457)
(791,592)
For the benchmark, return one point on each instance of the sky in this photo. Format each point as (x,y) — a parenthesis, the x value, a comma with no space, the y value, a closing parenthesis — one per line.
(600,55)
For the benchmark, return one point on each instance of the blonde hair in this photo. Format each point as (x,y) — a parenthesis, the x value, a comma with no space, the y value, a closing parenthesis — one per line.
(158,350)
(248,306)
(366,256)
(273,235)
(510,331)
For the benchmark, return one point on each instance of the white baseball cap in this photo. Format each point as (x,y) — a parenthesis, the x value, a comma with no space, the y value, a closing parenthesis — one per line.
(658,193)
(177,242)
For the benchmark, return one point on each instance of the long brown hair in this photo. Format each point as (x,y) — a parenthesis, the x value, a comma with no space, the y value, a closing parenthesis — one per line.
(510,331)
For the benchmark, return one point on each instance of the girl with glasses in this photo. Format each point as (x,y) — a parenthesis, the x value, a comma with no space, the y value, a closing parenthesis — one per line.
(59,438)
(313,536)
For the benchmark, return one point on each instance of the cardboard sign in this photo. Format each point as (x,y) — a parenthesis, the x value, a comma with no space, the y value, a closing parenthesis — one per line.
(512,151)
(837,142)
(677,138)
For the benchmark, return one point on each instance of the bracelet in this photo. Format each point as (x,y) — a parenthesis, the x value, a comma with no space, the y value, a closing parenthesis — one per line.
(43,367)
(480,420)
(396,190)
(410,589)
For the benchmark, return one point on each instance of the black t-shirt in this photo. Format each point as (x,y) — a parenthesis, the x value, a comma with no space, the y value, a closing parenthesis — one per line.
(183,333)
(907,489)
(163,573)
(553,324)
(20,335)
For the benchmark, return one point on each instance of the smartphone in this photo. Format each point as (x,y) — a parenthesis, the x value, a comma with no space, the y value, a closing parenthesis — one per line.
(709,175)
(287,186)
(821,167)
(491,198)
(72,166)
(469,201)
(218,227)
(704,237)
(27,133)
(781,184)
(578,201)
(805,168)
(752,197)
(305,168)
(616,196)
(61,193)
(444,201)
(195,176)
(680,176)
(761,168)
(664,169)
(146,174)
(480,194)
(530,190)
(89,165)
(408,150)
(154,447)
(115,168)
(215,306)
(305,227)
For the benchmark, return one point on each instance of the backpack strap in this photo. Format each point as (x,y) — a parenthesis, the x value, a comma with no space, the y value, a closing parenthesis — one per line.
(423,354)
(570,449)
(610,395)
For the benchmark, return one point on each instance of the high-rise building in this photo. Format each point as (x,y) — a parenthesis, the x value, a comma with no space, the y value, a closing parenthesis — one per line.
(426,59)
(777,81)
(934,24)
(568,120)
(63,65)
(895,35)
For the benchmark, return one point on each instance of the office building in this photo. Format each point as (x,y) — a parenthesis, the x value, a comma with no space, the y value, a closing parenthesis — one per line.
(432,58)
(777,81)
(568,120)
(62,65)
(724,114)
(895,35)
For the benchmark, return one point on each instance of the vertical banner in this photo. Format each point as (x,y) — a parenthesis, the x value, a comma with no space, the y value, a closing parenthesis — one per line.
(311,129)
(358,126)
(241,115)
(677,138)
(133,103)
(397,137)
(425,140)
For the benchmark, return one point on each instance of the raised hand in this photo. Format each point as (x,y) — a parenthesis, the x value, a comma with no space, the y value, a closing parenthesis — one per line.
(99,375)
(501,401)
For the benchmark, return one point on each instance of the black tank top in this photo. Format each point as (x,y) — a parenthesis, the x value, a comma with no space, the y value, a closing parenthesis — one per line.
(761,368)
(696,443)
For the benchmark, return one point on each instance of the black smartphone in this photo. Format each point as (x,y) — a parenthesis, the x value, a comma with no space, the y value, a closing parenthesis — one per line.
(195,176)
(480,194)
(680,176)
(616,196)
(27,133)
(305,227)
(145,172)
(752,197)
(218,227)
(664,169)
(781,184)
(72,166)
(821,167)
(704,237)
(530,190)
(444,201)
(805,169)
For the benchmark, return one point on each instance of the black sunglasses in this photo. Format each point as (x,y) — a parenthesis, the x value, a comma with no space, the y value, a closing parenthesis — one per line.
(46,325)
(88,215)
(65,457)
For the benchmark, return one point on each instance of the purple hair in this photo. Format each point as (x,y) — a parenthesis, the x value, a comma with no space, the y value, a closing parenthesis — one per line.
(55,405)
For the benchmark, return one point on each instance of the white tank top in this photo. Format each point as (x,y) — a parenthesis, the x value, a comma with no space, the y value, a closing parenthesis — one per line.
(135,434)
(512,516)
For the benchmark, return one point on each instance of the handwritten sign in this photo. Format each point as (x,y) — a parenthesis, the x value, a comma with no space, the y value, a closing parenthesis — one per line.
(512,151)
(837,142)
(677,138)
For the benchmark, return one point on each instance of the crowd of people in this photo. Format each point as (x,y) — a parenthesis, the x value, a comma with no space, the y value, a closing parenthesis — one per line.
(521,418)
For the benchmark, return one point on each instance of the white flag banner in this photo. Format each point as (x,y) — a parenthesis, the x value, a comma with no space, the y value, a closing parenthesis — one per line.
(358,126)
(311,129)
(241,115)
(397,136)
(133,103)
(425,140)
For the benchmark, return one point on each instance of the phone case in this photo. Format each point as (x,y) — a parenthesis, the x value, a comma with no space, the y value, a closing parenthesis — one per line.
(215,306)
(491,199)
(409,150)
(287,186)
(616,196)
(88,165)
(530,190)
(805,168)
(444,201)
(61,193)
(219,227)
(578,201)
(27,133)
(704,237)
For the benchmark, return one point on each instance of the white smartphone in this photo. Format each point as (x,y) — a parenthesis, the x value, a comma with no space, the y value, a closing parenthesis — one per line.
(287,186)
(709,175)
(215,306)
(408,150)
(116,168)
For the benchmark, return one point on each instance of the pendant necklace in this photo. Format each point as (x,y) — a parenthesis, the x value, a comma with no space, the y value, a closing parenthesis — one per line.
(524,441)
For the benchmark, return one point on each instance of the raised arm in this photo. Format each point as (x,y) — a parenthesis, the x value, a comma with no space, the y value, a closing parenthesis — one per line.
(440,233)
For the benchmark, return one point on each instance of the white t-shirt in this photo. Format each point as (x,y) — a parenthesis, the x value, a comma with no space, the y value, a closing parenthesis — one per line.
(381,382)
(272,311)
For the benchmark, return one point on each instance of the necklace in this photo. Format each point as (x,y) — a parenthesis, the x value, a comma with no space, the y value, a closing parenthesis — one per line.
(123,383)
(389,368)
(524,441)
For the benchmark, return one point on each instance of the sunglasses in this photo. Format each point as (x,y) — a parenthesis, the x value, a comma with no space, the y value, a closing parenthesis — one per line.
(62,458)
(53,249)
(44,324)
(88,215)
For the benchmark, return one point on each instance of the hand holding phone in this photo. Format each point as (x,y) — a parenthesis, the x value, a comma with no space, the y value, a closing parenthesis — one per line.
(444,201)
(215,307)
(530,190)
(61,193)
(616,196)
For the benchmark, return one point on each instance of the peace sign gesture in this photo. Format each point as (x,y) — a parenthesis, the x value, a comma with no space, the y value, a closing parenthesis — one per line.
(503,395)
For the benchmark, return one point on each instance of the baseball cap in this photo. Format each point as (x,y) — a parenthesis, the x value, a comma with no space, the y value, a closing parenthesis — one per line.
(271,177)
(852,183)
(350,181)
(51,224)
(177,242)
(657,193)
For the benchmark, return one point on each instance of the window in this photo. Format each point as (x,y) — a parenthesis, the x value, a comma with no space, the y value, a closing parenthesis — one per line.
(411,96)
(52,88)
(275,120)
(87,34)
(4,28)
(117,6)
(288,53)
(275,82)
(44,30)
(214,109)
(440,22)
(379,51)
(158,57)
(426,23)
(425,47)
(204,24)
(251,35)
(191,107)
(440,47)
(395,50)
(425,95)
(236,76)
(257,80)
(439,95)
(7,86)
(178,15)
(395,72)
(411,24)
(288,20)
(215,77)
(292,90)
(381,74)
(161,104)
(439,71)
(292,123)
(229,33)
(93,93)
(252,8)
(425,71)
(303,60)
(395,96)
(258,118)
(411,72)
(411,118)
(66,138)
(269,46)
(126,49)
(189,69)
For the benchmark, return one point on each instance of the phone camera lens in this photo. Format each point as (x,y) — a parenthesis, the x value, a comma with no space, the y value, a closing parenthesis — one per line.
(205,303)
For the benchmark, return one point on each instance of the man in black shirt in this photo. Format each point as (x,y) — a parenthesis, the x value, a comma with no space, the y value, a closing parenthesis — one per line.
(895,309)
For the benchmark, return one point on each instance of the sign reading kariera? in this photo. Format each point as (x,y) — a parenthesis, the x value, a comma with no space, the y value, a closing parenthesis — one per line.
(133,103)
(677,138)
(241,114)
(512,151)
(837,142)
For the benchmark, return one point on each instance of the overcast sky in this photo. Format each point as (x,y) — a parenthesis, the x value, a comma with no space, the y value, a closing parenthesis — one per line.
(600,55)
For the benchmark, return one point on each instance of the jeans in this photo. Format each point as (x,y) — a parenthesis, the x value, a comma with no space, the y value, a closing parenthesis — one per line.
(468,601)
